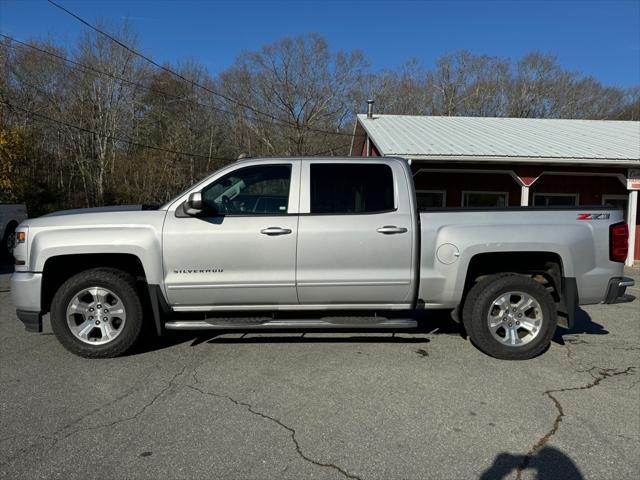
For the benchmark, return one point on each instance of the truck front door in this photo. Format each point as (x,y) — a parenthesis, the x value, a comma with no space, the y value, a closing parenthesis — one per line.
(240,251)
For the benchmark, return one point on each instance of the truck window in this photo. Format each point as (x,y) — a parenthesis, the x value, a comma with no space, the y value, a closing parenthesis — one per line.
(431,198)
(485,199)
(350,188)
(555,199)
(257,190)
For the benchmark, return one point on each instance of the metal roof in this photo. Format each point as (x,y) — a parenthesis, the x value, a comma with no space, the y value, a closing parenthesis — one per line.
(503,139)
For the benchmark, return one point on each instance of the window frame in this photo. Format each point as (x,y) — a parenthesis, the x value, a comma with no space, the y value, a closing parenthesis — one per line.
(305,197)
(444,197)
(484,192)
(543,194)
(613,196)
(294,189)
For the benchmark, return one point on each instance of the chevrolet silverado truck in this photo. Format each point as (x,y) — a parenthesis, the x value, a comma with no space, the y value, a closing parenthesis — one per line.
(311,243)
(11,214)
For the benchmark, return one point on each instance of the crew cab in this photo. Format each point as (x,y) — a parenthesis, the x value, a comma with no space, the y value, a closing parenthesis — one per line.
(310,243)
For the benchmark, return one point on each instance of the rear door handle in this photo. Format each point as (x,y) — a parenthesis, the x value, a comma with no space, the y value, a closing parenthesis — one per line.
(271,231)
(391,229)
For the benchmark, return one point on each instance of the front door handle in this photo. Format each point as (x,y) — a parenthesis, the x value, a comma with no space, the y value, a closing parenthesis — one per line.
(271,231)
(391,229)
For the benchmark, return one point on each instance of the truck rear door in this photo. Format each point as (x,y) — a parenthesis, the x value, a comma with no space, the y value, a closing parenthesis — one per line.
(355,234)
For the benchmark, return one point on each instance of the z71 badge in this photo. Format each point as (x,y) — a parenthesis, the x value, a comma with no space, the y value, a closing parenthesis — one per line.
(593,216)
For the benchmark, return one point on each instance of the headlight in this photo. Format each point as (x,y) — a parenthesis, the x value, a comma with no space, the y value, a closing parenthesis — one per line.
(20,253)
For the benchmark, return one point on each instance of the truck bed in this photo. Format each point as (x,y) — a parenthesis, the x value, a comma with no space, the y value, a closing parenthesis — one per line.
(452,237)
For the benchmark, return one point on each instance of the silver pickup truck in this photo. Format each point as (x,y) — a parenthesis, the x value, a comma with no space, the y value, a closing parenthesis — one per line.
(314,243)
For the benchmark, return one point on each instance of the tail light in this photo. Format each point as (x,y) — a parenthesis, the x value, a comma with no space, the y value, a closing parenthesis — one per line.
(618,242)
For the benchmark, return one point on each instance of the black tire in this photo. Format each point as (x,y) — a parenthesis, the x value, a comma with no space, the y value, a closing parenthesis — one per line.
(480,299)
(7,240)
(117,281)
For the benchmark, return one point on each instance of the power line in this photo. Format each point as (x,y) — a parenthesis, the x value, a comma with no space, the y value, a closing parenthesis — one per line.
(82,67)
(74,65)
(130,142)
(192,82)
(79,66)
(89,69)
(110,137)
(322,153)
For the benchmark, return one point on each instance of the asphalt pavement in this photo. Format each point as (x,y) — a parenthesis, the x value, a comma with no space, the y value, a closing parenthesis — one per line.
(325,405)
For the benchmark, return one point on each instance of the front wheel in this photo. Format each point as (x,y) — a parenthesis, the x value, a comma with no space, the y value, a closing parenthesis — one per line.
(97,313)
(510,316)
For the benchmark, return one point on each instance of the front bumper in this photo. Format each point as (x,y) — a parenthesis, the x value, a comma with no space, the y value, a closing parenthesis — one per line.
(26,293)
(616,290)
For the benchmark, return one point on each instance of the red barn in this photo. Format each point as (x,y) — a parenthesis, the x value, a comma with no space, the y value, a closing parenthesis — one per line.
(484,162)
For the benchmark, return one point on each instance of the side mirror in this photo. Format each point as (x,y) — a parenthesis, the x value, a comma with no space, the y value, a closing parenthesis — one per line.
(193,205)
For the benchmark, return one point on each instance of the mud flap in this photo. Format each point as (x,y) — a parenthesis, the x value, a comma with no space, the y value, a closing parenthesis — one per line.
(568,302)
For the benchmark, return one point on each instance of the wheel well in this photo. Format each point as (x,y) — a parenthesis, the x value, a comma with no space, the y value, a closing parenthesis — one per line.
(544,267)
(59,269)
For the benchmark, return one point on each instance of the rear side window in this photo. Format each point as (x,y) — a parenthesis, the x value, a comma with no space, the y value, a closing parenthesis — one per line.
(345,188)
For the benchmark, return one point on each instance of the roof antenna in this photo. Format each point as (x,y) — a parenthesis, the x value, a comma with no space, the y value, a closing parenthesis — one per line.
(370,108)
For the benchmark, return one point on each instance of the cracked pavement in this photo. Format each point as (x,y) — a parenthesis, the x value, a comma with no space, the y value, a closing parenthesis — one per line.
(325,405)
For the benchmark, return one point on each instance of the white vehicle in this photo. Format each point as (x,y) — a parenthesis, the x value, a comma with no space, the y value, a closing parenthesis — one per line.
(11,214)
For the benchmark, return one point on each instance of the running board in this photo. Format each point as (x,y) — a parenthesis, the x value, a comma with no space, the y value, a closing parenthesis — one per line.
(339,322)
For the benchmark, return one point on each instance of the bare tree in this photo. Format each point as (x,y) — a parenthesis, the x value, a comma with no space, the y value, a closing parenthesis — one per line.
(111,128)
(303,88)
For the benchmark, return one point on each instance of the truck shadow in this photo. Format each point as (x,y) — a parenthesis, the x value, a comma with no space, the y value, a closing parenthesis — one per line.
(281,336)
(432,323)
(302,337)
(435,322)
(583,324)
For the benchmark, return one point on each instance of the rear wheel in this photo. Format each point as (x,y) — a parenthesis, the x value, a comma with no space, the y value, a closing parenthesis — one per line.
(97,313)
(510,316)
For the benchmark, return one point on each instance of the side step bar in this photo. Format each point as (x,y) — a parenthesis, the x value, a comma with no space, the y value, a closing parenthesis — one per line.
(344,322)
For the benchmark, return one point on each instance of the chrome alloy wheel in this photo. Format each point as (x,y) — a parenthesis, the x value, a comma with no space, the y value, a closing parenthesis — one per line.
(515,318)
(96,315)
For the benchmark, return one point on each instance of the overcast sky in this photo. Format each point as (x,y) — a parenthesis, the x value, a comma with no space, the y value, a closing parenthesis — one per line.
(599,38)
